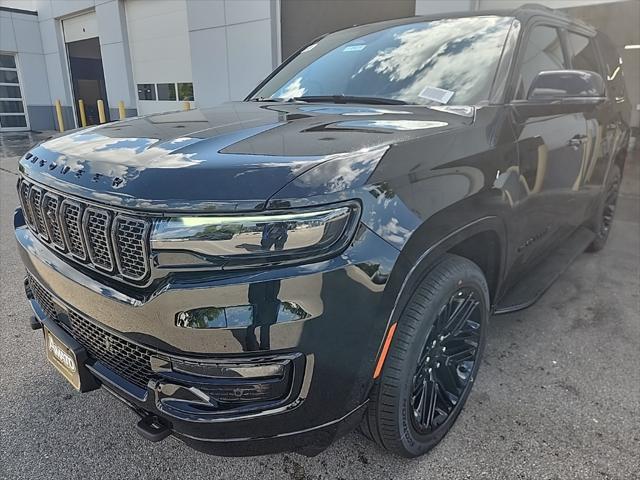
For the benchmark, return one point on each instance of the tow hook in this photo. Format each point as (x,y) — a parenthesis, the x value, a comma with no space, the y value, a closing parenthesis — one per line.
(153,428)
(35,323)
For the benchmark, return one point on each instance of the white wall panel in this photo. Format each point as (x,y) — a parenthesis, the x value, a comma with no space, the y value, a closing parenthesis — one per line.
(44,9)
(205,14)
(209,61)
(49,36)
(119,85)
(111,24)
(158,40)
(27,35)
(63,8)
(34,79)
(240,11)
(249,51)
(148,107)
(116,57)
(231,47)
(57,79)
(432,7)
(158,36)
(7,37)
(80,27)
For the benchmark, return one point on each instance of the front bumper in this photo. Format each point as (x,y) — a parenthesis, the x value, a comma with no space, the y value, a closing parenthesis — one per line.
(329,351)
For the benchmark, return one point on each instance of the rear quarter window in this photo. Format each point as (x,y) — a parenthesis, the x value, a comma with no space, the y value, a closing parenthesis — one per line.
(584,53)
(613,67)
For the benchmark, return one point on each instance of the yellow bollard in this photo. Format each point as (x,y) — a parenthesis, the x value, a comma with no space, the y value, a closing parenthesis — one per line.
(121,110)
(101,116)
(83,115)
(186,106)
(59,115)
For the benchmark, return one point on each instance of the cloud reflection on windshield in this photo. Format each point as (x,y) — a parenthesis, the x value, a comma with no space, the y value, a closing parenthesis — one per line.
(455,54)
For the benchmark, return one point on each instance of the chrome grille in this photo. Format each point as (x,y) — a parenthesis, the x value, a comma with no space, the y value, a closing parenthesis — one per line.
(35,198)
(24,190)
(127,359)
(43,298)
(96,224)
(129,236)
(124,358)
(133,362)
(96,237)
(71,220)
(50,205)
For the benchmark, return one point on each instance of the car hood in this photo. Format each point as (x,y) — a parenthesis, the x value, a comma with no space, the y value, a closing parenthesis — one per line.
(228,158)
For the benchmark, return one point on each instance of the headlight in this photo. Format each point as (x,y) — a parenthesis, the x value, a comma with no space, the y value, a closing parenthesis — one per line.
(251,240)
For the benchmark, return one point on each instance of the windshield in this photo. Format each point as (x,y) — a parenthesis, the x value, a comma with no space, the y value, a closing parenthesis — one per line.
(449,61)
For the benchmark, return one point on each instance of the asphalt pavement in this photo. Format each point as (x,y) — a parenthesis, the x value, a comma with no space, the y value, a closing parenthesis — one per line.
(557,396)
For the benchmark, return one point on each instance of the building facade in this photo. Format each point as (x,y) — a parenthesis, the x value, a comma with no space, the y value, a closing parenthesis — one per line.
(151,56)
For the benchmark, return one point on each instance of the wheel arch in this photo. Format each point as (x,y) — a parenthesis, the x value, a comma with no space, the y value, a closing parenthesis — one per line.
(465,241)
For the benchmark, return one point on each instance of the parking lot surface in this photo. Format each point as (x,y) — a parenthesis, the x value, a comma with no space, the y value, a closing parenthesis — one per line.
(557,397)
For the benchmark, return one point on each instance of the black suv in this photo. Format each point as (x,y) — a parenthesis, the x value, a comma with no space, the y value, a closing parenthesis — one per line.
(268,274)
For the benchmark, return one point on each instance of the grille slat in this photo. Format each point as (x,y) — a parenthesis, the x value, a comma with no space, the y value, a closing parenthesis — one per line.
(71,218)
(129,242)
(35,197)
(96,226)
(25,201)
(95,236)
(50,206)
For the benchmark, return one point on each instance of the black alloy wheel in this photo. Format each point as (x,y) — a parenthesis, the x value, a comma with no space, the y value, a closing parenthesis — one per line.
(604,217)
(432,360)
(448,357)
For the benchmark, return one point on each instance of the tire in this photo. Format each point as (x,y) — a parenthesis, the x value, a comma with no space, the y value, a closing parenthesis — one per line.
(395,418)
(603,219)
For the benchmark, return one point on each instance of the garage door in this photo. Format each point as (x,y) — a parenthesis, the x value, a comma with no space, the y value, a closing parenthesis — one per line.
(13,113)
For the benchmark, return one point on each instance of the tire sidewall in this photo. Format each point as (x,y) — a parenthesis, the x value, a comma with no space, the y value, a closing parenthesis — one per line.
(412,441)
(600,241)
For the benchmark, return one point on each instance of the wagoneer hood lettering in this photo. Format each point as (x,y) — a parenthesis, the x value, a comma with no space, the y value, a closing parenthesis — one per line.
(232,157)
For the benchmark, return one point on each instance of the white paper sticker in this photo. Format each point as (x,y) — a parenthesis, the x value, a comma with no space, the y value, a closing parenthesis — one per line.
(436,94)
(354,48)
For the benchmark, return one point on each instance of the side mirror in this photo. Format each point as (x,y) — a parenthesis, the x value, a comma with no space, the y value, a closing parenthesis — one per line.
(560,92)
(566,84)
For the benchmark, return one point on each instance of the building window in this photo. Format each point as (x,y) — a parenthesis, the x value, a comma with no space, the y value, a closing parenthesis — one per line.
(7,61)
(166,91)
(146,91)
(8,76)
(10,91)
(13,121)
(11,106)
(185,91)
(13,114)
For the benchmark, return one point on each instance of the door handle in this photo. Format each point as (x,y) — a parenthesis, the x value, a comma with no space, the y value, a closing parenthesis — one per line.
(577,140)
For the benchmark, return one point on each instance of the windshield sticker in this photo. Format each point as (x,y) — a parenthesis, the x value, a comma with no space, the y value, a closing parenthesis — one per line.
(436,94)
(354,48)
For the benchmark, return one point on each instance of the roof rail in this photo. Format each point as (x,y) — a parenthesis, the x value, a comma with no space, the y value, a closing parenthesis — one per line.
(536,6)
(559,13)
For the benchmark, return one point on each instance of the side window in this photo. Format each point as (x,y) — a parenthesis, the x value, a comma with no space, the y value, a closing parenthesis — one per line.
(584,55)
(543,52)
(613,67)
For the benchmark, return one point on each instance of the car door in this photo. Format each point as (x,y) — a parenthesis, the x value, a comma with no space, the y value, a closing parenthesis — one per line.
(601,128)
(551,153)
(605,124)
